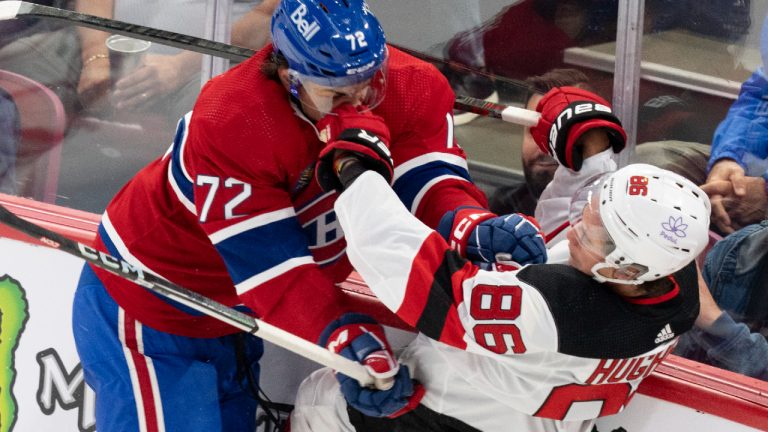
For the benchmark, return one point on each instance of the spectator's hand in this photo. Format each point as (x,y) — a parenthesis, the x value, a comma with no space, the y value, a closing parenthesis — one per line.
(159,76)
(729,170)
(730,211)
(94,81)
(361,135)
(724,170)
(359,338)
(567,115)
(483,237)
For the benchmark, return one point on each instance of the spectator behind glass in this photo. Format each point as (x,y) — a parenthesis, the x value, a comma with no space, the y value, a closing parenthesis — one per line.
(738,165)
(10,131)
(168,81)
(66,59)
(538,167)
(735,270)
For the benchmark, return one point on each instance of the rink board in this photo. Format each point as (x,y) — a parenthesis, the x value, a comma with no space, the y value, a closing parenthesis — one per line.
(42,387)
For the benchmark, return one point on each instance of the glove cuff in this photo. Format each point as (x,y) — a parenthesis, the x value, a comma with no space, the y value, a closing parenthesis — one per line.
(574,157)
(577,118)
(456,226)
(346,319)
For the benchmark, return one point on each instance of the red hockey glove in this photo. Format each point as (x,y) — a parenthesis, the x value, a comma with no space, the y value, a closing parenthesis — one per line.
(566,114)
(359,338)
(351,133)
(346,117)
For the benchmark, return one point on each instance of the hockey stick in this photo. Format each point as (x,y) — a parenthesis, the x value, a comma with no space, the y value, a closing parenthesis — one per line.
(194,300)
(519,116)
(15,9)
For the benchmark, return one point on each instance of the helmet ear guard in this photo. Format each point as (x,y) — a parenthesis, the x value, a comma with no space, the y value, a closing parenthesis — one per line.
(656,222)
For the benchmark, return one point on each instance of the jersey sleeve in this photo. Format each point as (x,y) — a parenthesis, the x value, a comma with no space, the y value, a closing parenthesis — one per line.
(741,135)
(238,195)
(554,204)
(431,174)
(417,276)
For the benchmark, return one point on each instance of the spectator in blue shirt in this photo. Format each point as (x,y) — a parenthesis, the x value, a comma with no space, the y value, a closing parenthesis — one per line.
(738,164)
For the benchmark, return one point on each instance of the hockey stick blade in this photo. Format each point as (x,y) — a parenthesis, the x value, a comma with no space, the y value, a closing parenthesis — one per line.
(16,9)
(519,116)
(189,298)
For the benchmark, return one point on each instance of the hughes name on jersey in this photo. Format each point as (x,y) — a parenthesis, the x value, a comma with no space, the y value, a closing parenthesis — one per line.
(545,341)
(232,211)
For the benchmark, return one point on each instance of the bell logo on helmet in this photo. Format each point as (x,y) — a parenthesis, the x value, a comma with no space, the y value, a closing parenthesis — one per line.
(307,29)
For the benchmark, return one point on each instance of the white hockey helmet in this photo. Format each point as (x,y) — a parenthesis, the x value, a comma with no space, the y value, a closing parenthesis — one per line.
(643,221)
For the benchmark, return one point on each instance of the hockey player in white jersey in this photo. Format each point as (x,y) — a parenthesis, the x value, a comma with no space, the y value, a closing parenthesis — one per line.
(544,348)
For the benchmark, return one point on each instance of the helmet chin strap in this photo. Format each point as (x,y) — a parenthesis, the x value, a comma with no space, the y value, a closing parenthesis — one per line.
(602,279)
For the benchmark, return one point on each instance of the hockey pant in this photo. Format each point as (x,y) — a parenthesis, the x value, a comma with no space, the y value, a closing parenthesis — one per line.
(146,380)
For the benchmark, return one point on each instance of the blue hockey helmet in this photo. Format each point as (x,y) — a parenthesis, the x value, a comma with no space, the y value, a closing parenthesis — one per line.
(334,43)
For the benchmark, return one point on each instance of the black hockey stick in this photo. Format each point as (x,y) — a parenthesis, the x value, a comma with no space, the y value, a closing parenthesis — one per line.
(15,9)
(192,299)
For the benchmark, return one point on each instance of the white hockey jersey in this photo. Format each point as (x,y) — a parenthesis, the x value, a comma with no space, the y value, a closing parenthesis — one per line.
(545,341)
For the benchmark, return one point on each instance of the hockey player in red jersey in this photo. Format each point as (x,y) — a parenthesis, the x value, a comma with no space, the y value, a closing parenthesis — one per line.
(232,211)
(544,348)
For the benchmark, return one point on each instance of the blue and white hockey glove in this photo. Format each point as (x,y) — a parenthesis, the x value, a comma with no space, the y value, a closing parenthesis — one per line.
(485,238)
(359,338)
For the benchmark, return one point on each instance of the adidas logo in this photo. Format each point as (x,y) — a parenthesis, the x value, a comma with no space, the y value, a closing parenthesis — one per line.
(665,334)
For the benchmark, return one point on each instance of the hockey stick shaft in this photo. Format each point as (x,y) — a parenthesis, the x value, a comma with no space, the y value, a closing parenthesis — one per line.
(15,9)
(519,116)
(191,299)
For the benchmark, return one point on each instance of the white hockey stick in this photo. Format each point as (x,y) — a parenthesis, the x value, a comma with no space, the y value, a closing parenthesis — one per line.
(16,9)
(194,300)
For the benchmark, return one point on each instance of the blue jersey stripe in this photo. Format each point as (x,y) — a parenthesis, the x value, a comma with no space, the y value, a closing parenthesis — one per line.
(273,244)
(408,185)
(183,182)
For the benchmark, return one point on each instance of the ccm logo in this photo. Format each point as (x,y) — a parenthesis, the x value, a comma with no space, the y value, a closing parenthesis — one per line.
(307,29)
(568,113)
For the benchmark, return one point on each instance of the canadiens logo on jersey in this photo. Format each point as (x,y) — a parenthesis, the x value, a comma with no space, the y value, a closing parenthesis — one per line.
(322,228)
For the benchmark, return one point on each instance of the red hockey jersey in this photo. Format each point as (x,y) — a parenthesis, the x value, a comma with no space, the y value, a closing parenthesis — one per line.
(232,210)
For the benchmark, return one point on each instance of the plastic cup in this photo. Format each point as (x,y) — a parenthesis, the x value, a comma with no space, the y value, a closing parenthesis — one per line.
(125,55)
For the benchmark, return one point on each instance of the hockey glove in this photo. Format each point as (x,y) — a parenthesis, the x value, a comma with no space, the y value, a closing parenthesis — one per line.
(482,237)
(566,114)
(348,132)
(358,337)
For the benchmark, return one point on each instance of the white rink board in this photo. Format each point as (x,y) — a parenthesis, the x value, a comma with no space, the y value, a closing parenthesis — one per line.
(646,414)
(56,399)
(47,278)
